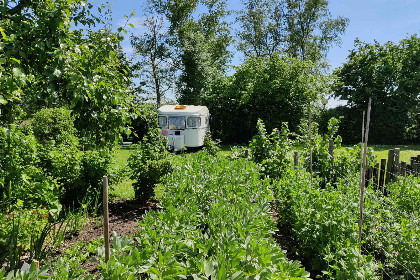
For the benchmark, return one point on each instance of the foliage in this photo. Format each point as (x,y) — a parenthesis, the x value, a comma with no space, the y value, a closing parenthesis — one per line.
(94,164)
(300,29)
(211,146)
(201,44)
(391,227)
(48,65)
(216,223)
(35,233)
(323,225)
(20,177)
(17,227)
(274,89)
(148,163)
(262,27)
(330,167)
(144,120)
(155,66)
(311,30)
(271,150)
(386,74)
(53,125)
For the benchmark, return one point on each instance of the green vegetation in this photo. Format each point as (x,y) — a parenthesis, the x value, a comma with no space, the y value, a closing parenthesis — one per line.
(67,101)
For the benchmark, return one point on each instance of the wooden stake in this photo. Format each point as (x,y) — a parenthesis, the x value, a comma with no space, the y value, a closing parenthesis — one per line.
(362,187)
(375,176)
(295,159)
(403,168)
(106,217)
(396,169)
(361,148)
(382,174)
(389,166)
(310,143)
(331,149)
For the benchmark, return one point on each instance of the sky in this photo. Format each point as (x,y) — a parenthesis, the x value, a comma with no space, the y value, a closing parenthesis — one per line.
(370,20)
(381,20)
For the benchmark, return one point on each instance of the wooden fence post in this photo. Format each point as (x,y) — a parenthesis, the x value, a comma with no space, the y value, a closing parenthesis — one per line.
(396,163)
(403,168)
(416,169)
(389,166)
(375,175)
(295,159)
(418,166)
(368,178)
(106,217)
(382,173)
(331,149)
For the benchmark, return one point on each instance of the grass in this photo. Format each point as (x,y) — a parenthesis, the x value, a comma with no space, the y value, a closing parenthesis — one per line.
(124,189)
(406,151)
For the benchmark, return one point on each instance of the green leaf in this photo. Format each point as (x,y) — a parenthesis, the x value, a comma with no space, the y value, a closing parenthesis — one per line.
(2,100)
(3,34)
(17,72)
(132,25)
(15,60)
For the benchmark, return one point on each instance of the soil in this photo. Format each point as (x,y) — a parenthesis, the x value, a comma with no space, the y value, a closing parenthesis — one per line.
(124,216)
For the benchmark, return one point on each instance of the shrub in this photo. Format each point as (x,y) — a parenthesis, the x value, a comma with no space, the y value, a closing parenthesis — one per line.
(20,177)
(211,146)
(54,124)
(270,151)
(330,169)
(58,149)
(323,226)
(148,163)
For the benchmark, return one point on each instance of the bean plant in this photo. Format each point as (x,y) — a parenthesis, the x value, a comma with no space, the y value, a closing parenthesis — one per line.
(215,223)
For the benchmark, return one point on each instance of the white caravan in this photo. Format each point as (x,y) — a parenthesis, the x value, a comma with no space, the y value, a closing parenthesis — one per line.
(184,125)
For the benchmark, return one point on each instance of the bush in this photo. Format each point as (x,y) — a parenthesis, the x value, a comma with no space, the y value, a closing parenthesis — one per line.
(270,151)
(58,148)
(20,177)
(54,124)
(148,163)
(211,146)
(323,226)
(145,119)
(95,165)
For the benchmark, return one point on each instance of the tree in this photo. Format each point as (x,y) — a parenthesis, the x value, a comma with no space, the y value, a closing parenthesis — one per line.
(49,64)
(298,28)
(275,89)
(388,74)
(157,69)
(201,44)
(311,30)
(263,29)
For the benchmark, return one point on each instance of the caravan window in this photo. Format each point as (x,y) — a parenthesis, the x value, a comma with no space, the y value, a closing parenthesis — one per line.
(194,122)
(163,121)
(176,122)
